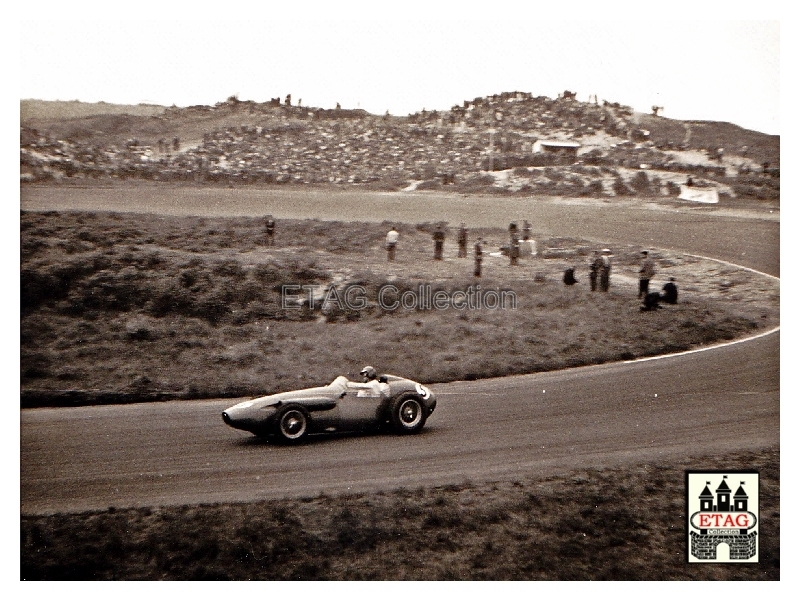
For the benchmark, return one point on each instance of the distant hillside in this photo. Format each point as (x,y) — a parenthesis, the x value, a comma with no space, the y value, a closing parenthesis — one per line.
(74,109)
(512,142)
(101,122)
(761,147)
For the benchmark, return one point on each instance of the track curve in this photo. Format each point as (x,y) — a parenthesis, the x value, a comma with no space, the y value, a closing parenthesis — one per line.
(721,400)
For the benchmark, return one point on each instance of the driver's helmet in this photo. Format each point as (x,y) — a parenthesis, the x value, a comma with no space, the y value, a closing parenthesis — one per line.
(369,373)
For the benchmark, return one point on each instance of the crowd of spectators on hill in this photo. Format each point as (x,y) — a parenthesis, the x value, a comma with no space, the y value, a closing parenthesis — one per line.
(293,144)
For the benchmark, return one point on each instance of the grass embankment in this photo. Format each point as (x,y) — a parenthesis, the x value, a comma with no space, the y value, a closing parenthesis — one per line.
(139,307)
(627,524)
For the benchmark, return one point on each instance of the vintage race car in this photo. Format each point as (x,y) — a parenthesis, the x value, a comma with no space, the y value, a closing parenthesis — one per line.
(390,402)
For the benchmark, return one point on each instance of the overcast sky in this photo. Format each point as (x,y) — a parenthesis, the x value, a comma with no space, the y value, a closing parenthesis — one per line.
(412,56)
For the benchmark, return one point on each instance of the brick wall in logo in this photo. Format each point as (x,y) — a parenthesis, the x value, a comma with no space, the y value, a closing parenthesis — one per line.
(722,513)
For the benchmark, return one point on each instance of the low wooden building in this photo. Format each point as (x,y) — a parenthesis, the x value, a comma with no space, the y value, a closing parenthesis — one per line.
(563,149)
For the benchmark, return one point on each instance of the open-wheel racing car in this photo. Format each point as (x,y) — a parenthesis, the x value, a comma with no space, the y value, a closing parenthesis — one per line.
(386,402)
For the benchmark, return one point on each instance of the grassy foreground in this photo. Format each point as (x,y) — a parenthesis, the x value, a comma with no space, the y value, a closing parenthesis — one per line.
(119,308)
(612,524)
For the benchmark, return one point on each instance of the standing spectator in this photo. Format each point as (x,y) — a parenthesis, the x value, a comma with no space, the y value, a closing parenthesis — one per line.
(513,230)
(526,230)
(595,265)
(462,241)
(269,229)
(605,270)
(438,242)
(646,272)
(478,257)
(391,242)
(670,295)
(513,249)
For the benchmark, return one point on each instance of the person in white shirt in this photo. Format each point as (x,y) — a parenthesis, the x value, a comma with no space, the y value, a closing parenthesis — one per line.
(391,242)
(605,270)
(646,273)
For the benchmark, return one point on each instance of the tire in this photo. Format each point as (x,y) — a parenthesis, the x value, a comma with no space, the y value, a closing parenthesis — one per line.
(407,414)
(291,425)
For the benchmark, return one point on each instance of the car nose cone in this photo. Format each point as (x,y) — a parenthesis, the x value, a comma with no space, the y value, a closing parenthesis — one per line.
(226,417)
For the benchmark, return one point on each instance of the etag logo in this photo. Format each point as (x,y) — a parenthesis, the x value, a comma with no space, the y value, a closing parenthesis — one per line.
(722,510)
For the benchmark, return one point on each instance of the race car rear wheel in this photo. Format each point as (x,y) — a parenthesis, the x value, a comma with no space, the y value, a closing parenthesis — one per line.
(407,414)
(292,424)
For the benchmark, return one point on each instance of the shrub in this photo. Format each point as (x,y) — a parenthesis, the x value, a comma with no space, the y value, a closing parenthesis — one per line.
(593,188)
(430,184)
(140,327)
(621,188)
(673,189)
(229,268)
(593,157)
(655,185)
(640,183)
(760,192)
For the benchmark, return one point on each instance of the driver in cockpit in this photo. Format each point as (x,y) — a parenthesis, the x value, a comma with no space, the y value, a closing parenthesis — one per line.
(371,385)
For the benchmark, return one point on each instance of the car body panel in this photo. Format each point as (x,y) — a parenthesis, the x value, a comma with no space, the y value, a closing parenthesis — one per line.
(342,405)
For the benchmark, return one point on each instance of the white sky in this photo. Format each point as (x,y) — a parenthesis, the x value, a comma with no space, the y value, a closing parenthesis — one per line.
(410,56)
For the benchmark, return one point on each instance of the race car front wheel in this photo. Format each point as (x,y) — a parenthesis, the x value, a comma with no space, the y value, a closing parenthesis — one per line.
(407,414)
(292,424)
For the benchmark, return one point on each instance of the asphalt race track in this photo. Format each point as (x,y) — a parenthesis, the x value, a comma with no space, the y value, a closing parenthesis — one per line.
(703,403)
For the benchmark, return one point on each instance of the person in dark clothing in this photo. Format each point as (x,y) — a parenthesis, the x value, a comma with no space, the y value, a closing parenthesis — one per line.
(438,242)
(514,252)
(651,301)
(513,249)
(569,276)
(478,257)
(594,269)
(670,292)
(462,241)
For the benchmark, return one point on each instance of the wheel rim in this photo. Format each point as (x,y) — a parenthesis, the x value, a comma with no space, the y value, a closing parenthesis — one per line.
(293,424)
(410,413)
